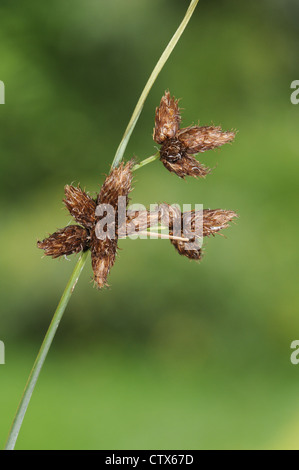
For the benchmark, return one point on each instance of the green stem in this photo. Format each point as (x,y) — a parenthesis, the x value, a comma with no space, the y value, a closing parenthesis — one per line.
(161,62)
(146,161)
(40,359)
(23,405)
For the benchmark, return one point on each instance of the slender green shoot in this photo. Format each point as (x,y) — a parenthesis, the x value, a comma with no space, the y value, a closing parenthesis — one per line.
(146,161)
(40,359)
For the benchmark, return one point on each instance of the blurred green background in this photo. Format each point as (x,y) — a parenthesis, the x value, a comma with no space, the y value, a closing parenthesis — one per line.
(175,354)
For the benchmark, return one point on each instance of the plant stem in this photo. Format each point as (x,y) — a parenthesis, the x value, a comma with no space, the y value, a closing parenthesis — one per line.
(146,161)
(40,359)
(161,62)
(163,236)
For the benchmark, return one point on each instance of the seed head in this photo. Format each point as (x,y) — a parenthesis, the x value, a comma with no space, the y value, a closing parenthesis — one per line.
(195,254)
(167,119)
(80,205)
(118,183)
(75,238)
(199,139)
(66,241)
(186,166)
(178,144)
(138,221)
(211,221)
(94,230)
(103,254)
(216,220)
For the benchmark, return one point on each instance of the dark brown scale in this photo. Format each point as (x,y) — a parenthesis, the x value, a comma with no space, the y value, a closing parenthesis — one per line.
(195,254)
(172,150)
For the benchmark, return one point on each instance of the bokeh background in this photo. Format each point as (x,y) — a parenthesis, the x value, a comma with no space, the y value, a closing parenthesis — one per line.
(175,354)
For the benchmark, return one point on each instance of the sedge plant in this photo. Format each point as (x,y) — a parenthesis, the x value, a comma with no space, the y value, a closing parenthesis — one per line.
(178,147)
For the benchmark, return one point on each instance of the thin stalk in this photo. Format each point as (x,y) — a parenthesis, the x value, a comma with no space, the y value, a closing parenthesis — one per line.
(161,62)
(23,405)
(163,236)
(40,359)
(146,161)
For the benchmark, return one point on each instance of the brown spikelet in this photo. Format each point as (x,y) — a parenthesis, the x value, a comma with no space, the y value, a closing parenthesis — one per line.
(199,139)
(103,254)
(186,166)
(103,251)
(211,221)
(172,215)
(117,183)
(177,145)
(80,205)
(138,221)
(165,215)
(66,241)
(100,227)
(195,254)
(215,220)
(168,215)
(167,119)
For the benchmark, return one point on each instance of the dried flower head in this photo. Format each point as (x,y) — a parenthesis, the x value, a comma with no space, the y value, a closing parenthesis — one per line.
(194,254)
(189,226)
(178,145)
(186,166)
(177,149)
(75,238)
(216,220)
(211,222)
(118,183)
(80,205)
(66,241)
(167,120)
(103,252)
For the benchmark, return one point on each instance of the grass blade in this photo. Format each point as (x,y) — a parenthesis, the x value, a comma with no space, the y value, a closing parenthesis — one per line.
(161,62)
(40,359)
